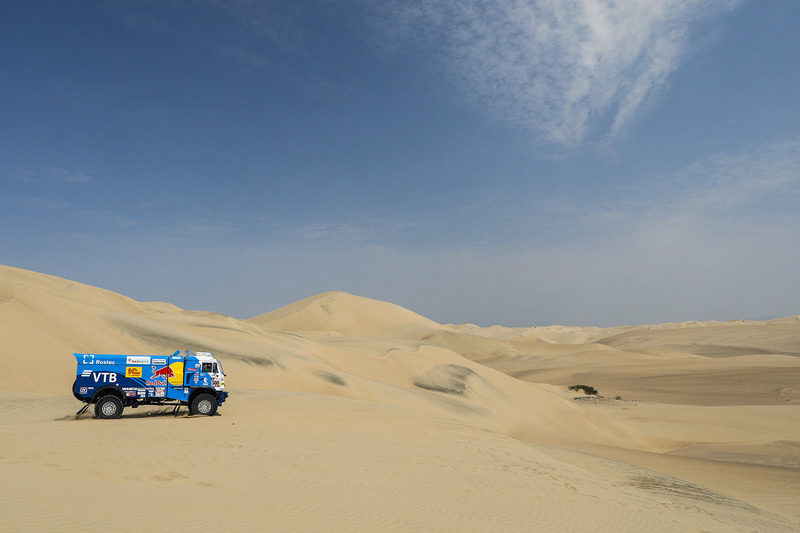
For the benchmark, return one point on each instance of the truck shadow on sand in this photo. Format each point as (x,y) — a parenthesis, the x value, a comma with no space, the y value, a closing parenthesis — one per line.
(143,412)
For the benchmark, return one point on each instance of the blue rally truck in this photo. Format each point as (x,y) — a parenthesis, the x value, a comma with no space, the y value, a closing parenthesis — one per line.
(112,382)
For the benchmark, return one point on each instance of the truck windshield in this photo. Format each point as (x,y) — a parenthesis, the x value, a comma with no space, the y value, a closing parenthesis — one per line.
(212,368)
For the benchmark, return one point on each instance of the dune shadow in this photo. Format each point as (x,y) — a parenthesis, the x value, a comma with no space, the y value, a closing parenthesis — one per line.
(676,487)
(330,377)
(450,379)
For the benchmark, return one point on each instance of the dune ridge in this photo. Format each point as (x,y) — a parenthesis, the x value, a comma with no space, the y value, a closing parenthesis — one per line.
(348,413)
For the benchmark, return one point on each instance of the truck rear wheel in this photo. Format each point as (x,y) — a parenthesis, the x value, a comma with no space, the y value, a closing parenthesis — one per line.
(204,404)
(108,407)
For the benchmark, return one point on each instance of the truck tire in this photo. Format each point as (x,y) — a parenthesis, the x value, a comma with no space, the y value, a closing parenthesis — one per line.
(108,407)
(204,404)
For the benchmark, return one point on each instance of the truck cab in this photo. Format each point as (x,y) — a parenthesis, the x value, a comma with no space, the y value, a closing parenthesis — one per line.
(203,370)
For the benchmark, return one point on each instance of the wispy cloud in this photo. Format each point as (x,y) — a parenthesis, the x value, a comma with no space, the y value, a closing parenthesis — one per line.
(49,174)
(712,241)
(107,220)
(327,231)
(36,202)
(724,190)
(279,23)
(564,69)
(67,175)
(729,183)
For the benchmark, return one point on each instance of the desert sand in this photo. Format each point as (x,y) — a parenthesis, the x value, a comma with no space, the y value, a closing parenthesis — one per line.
(352,414)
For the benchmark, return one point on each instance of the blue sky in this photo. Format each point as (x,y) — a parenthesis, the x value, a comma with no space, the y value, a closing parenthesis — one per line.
(579,162)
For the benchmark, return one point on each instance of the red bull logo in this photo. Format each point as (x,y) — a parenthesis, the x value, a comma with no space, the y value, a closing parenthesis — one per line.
(163,372)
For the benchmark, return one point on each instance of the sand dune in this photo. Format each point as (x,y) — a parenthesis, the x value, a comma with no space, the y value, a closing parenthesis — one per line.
(351,414)
(342,313)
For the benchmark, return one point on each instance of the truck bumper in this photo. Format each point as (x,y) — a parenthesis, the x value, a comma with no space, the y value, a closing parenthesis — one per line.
(221,397)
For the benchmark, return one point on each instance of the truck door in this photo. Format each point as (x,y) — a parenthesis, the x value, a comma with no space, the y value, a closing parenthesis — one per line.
(208,370)
(174,379)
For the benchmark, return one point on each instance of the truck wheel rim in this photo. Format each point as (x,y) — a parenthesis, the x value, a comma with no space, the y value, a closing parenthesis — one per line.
(109,409)
(204,407)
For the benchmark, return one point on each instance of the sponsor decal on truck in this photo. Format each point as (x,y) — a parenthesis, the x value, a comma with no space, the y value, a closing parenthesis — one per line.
(104,377)
(163,372)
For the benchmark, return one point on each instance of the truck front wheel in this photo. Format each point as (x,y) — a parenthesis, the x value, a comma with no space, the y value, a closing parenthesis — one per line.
(108,407)
(204,404)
